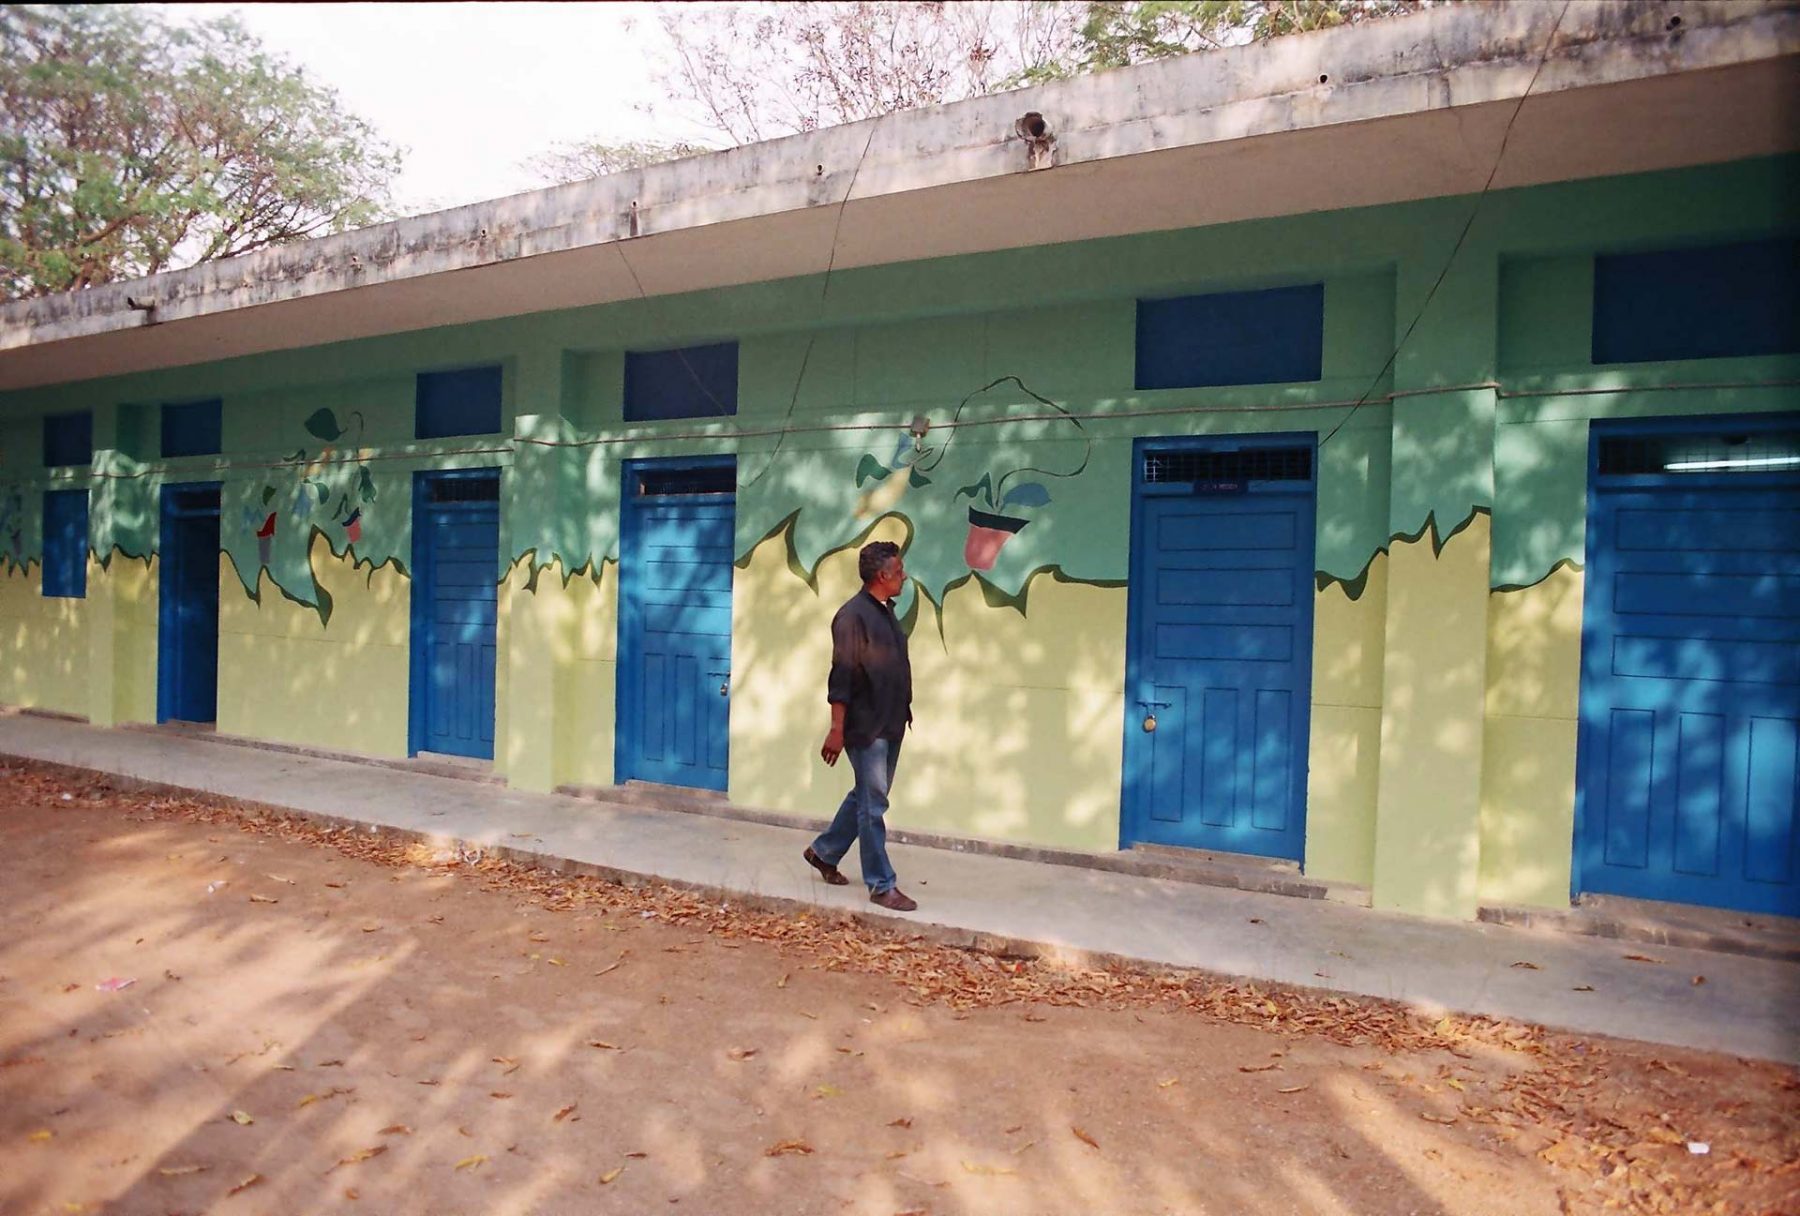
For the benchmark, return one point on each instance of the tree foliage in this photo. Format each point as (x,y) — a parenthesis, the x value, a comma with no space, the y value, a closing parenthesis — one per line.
(757,71)
(582,159)
(129,144)
(1116,35)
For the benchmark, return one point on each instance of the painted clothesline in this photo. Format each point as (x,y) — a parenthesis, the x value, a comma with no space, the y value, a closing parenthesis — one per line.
(512,446)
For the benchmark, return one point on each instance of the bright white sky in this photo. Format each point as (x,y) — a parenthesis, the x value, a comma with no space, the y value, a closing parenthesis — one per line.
(470,90)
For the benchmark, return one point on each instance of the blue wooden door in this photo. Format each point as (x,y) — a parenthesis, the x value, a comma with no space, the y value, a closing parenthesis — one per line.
(675,624)
(1220,651)
(187,650)
(456,562)
(1690,691)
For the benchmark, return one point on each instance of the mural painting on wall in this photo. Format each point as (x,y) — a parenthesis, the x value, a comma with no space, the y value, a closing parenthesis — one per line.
(311,494)
(12,525)
(1002,502)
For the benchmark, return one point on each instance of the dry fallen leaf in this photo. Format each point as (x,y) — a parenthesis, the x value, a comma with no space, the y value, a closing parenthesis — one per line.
(1084,1137)
(741,1053)
(1697,980)
(564,1113)
(786,1147)
(612,1175)
(41,1135)
(263,899)
(782,982)
(471,1163)
(1257,1067)
(1582,988)
(637,1156)
(992,1171)
(395,1129)
(360,1155)
(603,1045)
(827,1091)
(500,1094)
(905,1121)
(246,1184)
(178,1171)
(1294,1089)
(1524,966)
(1642,958)
(1169,1082)
(535,936)
(1431,1118)
(241,1118)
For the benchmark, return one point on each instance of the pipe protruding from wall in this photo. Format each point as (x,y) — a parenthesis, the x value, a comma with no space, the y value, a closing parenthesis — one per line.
(1040,142)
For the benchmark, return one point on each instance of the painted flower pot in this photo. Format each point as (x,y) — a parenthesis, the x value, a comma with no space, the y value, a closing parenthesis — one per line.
(988,534)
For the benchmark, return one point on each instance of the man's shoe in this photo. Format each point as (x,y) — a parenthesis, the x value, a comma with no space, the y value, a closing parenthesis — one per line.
(894,900)
(826,870)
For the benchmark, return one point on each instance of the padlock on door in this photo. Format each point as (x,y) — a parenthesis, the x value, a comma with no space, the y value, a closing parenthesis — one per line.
(1150,708)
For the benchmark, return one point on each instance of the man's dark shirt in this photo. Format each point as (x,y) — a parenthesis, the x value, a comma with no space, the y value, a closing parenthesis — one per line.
(870,673)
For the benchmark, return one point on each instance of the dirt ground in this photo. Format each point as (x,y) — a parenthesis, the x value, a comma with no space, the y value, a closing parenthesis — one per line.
(327,1022)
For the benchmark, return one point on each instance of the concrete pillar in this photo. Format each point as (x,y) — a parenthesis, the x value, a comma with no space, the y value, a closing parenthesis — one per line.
(1428,805)
(120,593)
(535,639)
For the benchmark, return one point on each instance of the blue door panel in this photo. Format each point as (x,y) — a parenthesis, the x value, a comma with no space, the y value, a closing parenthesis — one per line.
(1690,696)
(456,554)
(187,682)
(675,636)
(1221,637)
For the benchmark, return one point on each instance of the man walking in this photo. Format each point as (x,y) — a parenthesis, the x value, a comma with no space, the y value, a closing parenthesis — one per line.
(870,691)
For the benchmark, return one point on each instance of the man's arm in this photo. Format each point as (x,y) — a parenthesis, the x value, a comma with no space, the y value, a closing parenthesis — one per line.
(834,738)
(846,640)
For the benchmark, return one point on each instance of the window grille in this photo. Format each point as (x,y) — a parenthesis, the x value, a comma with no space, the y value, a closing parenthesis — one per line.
(463,489)
(669,483)
(1245,464)
(1713,454)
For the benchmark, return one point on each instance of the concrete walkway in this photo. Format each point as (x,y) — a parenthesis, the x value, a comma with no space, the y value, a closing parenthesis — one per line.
(1747,1006)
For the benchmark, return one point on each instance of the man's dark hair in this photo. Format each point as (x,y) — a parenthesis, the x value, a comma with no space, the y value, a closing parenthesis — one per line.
(873,557)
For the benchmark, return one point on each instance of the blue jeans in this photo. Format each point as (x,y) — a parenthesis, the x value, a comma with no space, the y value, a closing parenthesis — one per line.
(859,816)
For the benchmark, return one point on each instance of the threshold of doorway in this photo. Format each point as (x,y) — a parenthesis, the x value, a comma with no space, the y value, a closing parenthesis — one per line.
(1241,872)
(431,763)
(1654,923)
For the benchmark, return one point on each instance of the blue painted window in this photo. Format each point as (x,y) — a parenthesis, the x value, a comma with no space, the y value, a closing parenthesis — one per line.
(1234,337)
(68,439)
(465,402)
(192,429)
(692,382)
(1712,303)
(65,543)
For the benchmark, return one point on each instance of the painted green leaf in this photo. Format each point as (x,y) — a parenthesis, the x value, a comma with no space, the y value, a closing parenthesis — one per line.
(268,495)
(324,424)
(984,488)
(297,456)
(870,468)
(919,480)
(1027,494)
(322,489)
(365,484)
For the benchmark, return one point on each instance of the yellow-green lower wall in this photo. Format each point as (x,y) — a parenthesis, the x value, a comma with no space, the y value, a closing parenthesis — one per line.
(1344,748)
(45,665)
(1528,761)
(1017,715)
(287,677)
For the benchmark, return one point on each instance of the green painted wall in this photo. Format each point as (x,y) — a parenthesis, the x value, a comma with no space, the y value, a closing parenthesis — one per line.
(1472,476)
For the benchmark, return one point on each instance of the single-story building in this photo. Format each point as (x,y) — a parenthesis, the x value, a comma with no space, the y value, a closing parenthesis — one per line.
(1374,449)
